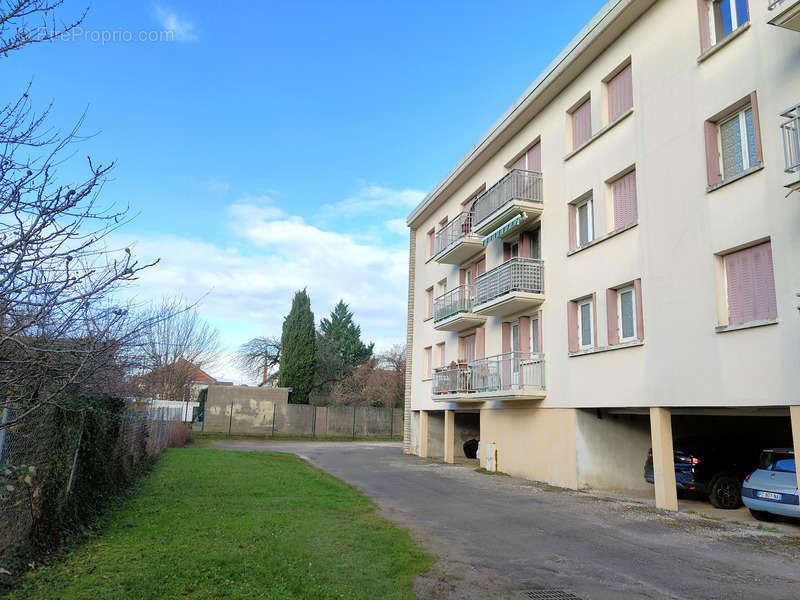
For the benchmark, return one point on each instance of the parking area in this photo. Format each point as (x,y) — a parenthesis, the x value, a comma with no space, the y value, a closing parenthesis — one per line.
(500,536)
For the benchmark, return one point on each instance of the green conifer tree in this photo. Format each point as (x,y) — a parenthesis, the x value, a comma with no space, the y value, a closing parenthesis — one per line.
(298,349)
(340,349)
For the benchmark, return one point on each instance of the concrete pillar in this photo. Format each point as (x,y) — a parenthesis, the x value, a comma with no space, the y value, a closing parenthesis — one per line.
(449,435)
(663,458)
(794,413)
(423,434)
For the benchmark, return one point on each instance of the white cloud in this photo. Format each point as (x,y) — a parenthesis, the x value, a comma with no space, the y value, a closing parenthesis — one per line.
(252,280)
(372,199)
(182,29)
(397,226)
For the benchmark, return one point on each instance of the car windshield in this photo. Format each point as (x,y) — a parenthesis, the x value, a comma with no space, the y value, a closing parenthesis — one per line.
(777,461)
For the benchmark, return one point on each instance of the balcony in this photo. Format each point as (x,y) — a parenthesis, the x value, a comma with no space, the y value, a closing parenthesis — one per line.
(517,193)
(517,284)
(452,311)
(508,376)
(790,132)
(787,13)
(455,243)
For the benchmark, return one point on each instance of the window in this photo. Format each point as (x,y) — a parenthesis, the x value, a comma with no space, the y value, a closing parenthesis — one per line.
(581,123)
(626,310)
(725,17)
(429,303)
(624,313)
(430,243)
(750,284)
(440,353)
(737,143)
(428,363)
(620,93)
(531,160)
(584,222)
(535,334)
(585,324)
(733,141)
(514,250)
(441,287)
(623,192)
(468,345)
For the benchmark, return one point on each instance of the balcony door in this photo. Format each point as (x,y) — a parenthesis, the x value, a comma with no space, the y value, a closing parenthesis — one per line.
(469,348)
(514,358)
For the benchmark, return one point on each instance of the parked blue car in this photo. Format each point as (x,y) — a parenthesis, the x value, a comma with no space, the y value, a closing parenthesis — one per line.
(772,488)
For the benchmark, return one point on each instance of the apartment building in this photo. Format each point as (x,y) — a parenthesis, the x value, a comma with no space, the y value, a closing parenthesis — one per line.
(616,262)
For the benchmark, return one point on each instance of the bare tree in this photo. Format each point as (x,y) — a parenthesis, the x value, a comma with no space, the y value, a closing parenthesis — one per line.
(259,357)
(60,325)
(175,345)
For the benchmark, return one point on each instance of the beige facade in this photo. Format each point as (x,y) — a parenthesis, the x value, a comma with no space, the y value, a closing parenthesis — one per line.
(668,262)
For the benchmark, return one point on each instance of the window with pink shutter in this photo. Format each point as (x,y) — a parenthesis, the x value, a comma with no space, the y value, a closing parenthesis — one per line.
(531,160)
(623,191)
(440,348)
(469,348)
(581,124)
(428,366)
(620,93)
(750,285)
(429,303)
(431,248)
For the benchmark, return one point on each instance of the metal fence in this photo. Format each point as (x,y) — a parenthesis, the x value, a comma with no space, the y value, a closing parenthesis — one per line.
(459,227)
(790,131)
(453,302)
(516,274)
(27,464)
(507,371)
(516,185)
(305,420)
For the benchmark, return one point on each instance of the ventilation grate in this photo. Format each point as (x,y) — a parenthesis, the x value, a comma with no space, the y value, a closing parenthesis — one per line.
(549,594)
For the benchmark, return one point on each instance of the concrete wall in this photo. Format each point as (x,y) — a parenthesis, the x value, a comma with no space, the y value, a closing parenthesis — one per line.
(611,451)
(242,409)
(535,443)
(436,434)
(467,427)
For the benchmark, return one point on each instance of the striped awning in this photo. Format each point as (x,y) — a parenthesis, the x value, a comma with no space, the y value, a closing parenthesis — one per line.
(503,228)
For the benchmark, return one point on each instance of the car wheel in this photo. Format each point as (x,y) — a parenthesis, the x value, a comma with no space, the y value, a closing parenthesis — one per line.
(726,492)
(762,515)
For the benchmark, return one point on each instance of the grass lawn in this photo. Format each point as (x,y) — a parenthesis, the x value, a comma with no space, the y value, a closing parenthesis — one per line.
(226,524)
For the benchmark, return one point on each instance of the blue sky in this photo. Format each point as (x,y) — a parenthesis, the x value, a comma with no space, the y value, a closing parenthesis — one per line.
(275,145)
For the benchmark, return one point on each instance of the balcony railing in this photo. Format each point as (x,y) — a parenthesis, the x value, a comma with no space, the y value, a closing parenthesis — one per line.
(456,229)
(516,185)
(511,371)
(790,131)
(515,275)
(774,4)
(451,303)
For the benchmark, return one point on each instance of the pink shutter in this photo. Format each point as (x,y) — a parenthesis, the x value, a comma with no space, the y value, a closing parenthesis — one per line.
(751,285)
(431,247)
(713,170)
(462,276)
(620,93)
(506,252)
(573,234)
(525,336)
(469,348)
(705,26)
(480,267)
(428,362)
(480,343)
(624,193)
(612,317)
(756,126)
(506,338)
(535,158)
(441,355)
(429,294)
(520,164)
(572,326)
(581,124)
(539,322)
(525,245)
(637,292)
(594,318)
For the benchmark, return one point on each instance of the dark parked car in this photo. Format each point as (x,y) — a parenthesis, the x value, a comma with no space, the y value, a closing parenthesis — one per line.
(715,466)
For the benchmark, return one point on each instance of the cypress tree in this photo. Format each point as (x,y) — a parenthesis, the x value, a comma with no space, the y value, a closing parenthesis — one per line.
(340,349)
(298,349)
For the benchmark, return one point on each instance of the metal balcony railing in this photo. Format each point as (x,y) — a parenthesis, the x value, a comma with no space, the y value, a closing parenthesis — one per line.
(458,228)
(790,131)
(454,380)
(515,275)
(774,4)
(516,185)
(508,371)
(451,303)
(511,371)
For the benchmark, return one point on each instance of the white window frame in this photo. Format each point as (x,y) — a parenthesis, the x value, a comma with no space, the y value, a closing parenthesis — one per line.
(587,202)
(746,163)
(712,22)
(633,313)
(513,247)
(430,302)
(534,335)
(587,302)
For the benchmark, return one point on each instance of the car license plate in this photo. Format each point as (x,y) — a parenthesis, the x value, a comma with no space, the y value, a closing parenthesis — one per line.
(768,495)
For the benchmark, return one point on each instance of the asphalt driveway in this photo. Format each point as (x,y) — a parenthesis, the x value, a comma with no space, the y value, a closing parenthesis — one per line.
(500,537)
